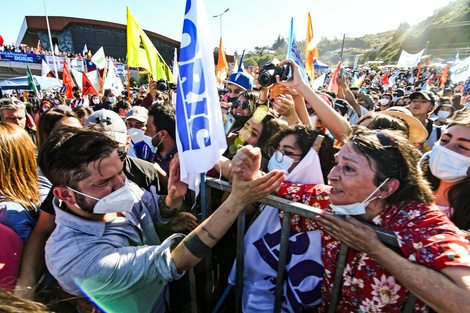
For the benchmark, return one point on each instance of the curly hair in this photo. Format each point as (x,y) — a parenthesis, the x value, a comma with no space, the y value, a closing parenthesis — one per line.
(392,155)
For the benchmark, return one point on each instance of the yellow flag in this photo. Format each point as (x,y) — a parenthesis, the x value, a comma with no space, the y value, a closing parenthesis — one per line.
(222,65)
(311,51)
(142,53)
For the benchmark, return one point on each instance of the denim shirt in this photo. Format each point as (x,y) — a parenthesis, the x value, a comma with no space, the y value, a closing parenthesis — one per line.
(121,265)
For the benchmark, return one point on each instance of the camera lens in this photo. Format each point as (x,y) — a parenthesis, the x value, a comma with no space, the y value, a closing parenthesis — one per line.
(264,79)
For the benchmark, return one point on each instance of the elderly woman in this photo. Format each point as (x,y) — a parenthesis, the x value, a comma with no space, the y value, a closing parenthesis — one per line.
(377,179)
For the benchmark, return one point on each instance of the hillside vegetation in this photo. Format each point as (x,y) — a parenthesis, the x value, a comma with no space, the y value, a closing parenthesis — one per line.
(445,33)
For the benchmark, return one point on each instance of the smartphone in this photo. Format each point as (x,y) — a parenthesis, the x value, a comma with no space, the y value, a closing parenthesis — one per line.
(229,123)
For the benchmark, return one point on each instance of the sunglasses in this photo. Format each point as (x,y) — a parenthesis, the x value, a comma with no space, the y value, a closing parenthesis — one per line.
(244,105)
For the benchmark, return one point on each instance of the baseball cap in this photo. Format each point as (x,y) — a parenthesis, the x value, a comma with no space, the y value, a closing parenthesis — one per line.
(112,120)
(138,113)
(241,79)
(426,94)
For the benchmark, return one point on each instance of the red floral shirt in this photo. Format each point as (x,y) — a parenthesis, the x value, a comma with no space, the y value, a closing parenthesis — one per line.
(425,235)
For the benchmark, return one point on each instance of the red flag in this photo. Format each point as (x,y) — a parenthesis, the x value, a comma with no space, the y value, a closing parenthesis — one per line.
(1,40)
(39,47)
(419,70)
(67,81)
(87,86)
(444,76)
(385,79)
(222,66)
(333,86)
(429,62)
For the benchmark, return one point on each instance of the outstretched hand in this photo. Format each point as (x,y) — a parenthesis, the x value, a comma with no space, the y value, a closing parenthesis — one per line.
(246,163)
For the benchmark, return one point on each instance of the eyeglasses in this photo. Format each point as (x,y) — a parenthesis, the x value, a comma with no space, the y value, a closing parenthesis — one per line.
(279,154)
(244,105)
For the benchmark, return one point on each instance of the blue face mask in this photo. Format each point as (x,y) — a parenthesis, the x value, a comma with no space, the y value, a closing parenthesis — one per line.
(356,208)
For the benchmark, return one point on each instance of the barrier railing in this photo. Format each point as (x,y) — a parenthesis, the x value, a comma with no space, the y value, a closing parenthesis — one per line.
(289,207)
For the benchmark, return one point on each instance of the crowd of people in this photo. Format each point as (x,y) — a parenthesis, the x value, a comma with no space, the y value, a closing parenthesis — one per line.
(91,203)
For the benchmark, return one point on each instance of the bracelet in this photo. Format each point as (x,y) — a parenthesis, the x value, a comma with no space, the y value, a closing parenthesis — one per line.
(195,245)
(165,209)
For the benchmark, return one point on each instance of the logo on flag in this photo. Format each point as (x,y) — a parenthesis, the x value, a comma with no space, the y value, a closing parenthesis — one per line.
(200,134)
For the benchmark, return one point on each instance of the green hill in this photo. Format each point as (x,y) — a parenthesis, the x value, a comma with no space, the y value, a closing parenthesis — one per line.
(444,34)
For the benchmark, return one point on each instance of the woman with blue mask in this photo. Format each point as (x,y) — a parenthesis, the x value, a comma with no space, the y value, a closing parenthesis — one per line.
(447,167)
(304,154)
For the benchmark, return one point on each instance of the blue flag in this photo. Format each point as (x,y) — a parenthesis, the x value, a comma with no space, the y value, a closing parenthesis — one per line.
(293,51)
(200,131)
(466,87)
(241,68)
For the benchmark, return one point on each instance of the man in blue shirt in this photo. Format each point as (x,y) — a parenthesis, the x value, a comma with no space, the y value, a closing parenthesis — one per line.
(105,245)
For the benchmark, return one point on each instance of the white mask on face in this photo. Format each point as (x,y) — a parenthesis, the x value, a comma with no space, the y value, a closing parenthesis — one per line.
(384,101)
(136,134)
(313,120)
(448,165)
(111,99)
(467,105)
(443,115)
(356,208)
(148,141)
(120,200)
(285,165)
(95,101)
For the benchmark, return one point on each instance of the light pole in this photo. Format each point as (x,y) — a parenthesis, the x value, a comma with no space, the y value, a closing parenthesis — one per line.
(220,15)
(426,49)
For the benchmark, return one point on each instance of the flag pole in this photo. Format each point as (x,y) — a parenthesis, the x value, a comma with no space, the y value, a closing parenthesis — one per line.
(50,39)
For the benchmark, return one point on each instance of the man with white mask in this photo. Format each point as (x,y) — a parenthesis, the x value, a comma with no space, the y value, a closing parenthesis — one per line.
(105,245)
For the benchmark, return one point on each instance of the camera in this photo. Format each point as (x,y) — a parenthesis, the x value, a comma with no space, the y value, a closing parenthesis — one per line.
(162,85)
(267,76)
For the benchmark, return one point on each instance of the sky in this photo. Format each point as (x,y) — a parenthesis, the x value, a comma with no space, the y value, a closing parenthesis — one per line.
(247,23)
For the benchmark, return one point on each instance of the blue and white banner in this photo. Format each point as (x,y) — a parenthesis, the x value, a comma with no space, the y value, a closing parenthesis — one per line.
(461,71)
(200,134)
(293,51)
(21,57)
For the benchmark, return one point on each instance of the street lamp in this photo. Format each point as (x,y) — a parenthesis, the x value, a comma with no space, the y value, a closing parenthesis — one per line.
(220,15)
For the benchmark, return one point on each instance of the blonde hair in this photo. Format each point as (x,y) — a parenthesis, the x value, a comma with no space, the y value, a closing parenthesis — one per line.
(18,167)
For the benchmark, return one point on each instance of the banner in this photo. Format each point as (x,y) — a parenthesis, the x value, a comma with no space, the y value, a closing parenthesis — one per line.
(461,71)
(200,131)
(21,57)
(409,60)
(142,53)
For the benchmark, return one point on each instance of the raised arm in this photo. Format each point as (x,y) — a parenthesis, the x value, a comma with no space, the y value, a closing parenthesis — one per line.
(335,123)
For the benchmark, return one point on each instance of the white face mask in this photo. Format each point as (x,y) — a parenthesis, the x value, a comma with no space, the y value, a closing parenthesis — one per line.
(448,165)
(356,208)
(95,101)
(285,165)
(136,134)
(384,101)
(443,114)
(313,120)
(111,99)
(120,200)
(148,141)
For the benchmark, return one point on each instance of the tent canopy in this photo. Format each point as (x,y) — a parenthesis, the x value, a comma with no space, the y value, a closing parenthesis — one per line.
(319,65)
(42,83)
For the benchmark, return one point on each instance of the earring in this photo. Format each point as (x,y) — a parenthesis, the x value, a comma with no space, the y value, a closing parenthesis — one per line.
(379,197)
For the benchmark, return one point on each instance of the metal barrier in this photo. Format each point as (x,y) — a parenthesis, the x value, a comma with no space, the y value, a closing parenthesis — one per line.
(289,207)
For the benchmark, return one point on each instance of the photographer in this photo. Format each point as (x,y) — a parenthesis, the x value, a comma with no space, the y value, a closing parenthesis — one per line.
(158,93)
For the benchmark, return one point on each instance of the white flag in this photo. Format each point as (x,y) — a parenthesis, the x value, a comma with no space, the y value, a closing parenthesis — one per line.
(200,136)
(94,78)
(175,66)
(409,60)
(112,81)
(56,50)
(99,58)
(45,69)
